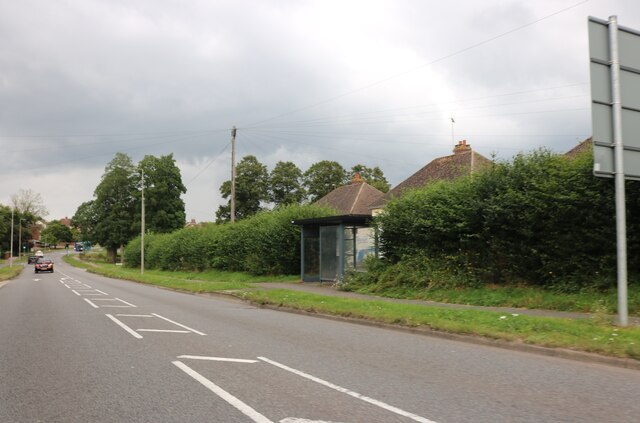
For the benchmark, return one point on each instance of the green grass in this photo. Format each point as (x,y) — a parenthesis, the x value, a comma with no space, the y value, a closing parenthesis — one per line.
(7,272)
(210,281)
(518,297)
(582,335)
(590,335)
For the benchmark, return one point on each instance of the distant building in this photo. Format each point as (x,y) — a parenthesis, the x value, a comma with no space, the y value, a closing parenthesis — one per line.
(66,222)
(192,224)
(582,147)
(464,161)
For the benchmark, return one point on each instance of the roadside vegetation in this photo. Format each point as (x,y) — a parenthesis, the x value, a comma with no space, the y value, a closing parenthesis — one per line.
(7,272)
(263,244)
(596,335)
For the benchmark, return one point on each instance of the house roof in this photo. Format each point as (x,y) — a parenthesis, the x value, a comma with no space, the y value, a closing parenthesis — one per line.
(463,161)
(586,145)
(352,199)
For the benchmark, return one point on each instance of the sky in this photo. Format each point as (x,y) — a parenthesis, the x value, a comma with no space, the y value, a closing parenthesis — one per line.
(388,83)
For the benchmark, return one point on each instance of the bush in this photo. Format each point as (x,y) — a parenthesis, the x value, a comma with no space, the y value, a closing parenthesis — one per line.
(541,219)
(264,244)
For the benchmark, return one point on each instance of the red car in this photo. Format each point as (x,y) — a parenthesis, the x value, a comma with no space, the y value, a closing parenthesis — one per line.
(44,265)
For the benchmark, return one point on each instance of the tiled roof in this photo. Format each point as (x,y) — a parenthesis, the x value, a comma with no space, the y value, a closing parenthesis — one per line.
(585,145)
(445,168)
(352,199)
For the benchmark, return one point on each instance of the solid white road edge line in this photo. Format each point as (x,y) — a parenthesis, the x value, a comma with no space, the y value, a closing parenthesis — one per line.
(235,402)
(364,398)
(233,360)
(163,330)
(125,327)
(178,324)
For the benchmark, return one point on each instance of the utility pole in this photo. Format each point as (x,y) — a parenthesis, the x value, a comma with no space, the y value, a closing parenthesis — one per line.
(233,174)
(11,248)
(142,224)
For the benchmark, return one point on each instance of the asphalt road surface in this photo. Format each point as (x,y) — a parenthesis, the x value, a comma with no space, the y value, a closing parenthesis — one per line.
(76,347)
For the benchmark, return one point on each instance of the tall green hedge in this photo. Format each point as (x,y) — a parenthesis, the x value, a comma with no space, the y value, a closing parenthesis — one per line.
(266,243)
(539,219)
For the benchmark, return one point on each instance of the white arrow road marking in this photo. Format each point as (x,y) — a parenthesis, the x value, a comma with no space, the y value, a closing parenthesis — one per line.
(233,360)
(349,392)
(235,402)
(123,326)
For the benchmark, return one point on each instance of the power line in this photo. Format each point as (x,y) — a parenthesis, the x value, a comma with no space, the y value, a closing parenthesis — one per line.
(463,50)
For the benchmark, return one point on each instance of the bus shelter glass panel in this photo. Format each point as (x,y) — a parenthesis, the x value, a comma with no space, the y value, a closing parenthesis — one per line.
(349,247)
(311,253)
(365,245)
(329,253)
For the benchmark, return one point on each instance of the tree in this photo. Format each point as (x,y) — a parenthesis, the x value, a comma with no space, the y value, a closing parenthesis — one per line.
(373,176)
(252,189)
(286,184)
(56,232)
(323,177)
(5,228)
(115,205)
(85,220)
(164,209)
(28,201)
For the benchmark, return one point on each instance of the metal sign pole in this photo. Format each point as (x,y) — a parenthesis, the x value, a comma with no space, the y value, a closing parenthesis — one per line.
(621,218)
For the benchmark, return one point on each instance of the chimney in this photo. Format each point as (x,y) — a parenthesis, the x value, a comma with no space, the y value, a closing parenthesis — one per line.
(462,147)
(357,179)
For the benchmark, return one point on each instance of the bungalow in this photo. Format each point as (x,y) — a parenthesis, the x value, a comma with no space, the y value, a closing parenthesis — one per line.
(463,161)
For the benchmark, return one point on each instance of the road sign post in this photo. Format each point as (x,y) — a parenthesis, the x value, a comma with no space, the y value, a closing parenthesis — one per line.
(615,64)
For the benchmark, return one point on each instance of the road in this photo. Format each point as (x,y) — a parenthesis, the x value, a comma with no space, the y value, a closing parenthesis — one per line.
(77,347)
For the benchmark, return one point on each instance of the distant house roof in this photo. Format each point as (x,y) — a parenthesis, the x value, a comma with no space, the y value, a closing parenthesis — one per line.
(586,145)
(463,161)
(352,199)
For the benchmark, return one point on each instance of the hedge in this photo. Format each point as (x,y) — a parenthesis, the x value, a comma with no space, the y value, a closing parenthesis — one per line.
(266,243)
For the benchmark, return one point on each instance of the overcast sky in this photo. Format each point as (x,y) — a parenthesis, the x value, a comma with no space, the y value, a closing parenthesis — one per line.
(374,82)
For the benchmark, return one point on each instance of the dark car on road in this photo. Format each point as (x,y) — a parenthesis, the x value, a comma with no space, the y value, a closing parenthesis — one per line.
(44,265)
(32,259)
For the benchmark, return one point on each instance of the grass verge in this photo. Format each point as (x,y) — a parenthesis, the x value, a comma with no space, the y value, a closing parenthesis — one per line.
(7,272)
(517,297)
(581,335)
(211,281)
(588,335)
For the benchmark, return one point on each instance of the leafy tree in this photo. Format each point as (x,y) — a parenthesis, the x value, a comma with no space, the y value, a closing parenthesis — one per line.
(164,209)
(252,189)
(286,184)
(5,228)
(373,176)
(56,232)
(323,177)
(85,220)
(115,205)
(29,202)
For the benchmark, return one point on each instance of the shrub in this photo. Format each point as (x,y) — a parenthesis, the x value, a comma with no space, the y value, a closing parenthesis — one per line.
(266,243)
